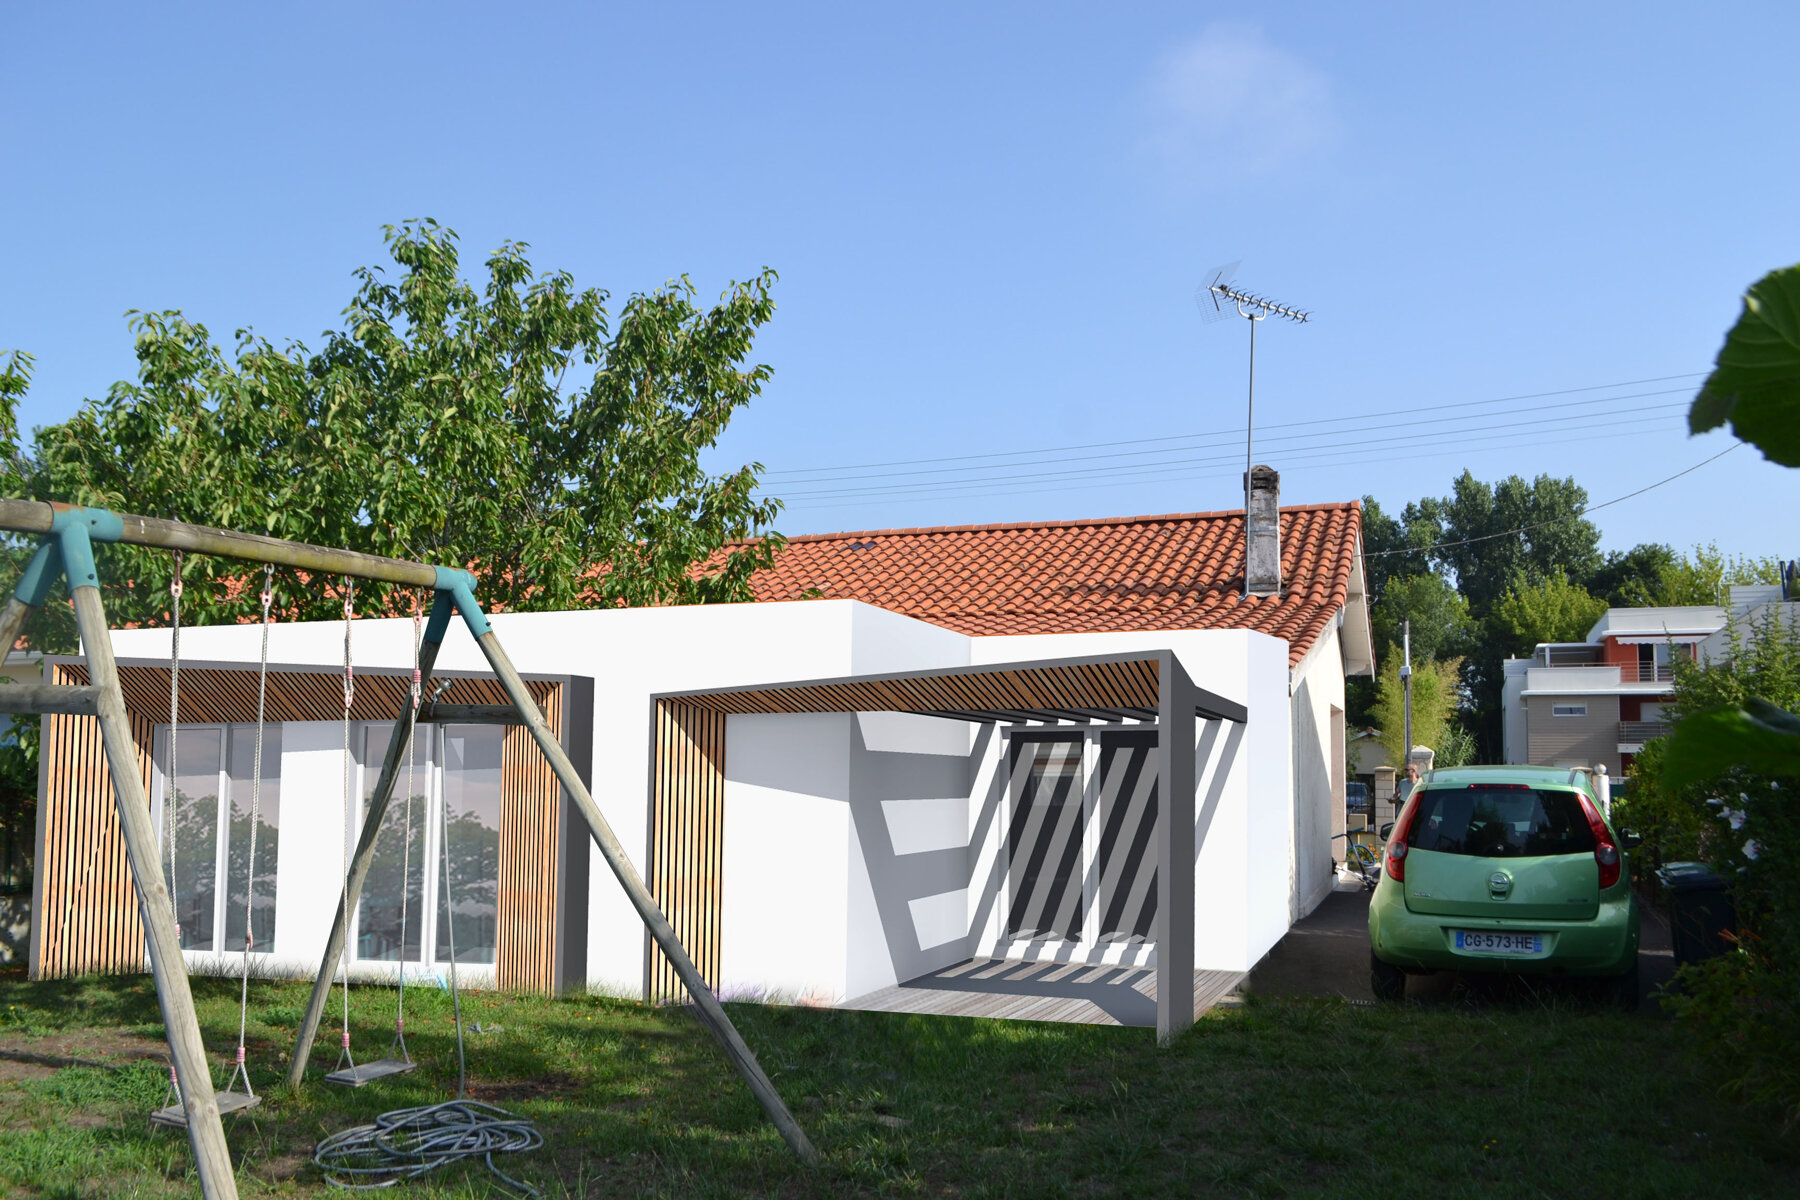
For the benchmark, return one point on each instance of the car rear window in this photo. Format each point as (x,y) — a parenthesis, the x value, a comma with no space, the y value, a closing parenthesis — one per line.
(1501,822)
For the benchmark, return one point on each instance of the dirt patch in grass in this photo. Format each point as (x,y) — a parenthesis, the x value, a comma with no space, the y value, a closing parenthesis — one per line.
(550,1085)
(25,1056)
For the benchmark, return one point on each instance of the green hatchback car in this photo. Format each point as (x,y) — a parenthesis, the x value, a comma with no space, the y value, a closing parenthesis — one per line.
(1505,869)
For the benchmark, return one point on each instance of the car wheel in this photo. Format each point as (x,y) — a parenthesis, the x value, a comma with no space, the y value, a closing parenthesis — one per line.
(1387,981)
(1622,990)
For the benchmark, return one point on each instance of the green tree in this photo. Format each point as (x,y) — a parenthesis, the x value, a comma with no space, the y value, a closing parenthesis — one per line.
(515,426)
(1631,578)
(1488,538)
(1435,694)
(1555,610)
(1440,616)
(1490,535)
(1705,577)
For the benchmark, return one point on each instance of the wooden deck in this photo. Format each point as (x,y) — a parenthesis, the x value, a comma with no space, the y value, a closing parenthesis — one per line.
(1014,989)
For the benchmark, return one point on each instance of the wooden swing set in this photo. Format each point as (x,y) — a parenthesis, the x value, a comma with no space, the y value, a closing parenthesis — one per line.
(66,549)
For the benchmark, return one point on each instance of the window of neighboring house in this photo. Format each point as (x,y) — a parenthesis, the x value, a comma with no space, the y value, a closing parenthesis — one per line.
(204,830)
(455,781)
(1568,710)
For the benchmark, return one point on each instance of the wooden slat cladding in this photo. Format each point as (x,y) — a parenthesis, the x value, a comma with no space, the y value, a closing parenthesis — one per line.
(1125,684)
(87,905)
(212,696)
(530,805)
(687,828)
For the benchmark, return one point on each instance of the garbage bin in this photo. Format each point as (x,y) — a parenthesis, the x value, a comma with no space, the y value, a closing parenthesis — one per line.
(1701,912)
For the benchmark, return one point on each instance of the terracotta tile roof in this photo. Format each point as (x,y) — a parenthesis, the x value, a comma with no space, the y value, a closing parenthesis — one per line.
(1180,571)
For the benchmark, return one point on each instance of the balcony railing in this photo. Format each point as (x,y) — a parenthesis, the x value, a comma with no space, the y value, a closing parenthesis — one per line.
(1628,672)
(1639,732)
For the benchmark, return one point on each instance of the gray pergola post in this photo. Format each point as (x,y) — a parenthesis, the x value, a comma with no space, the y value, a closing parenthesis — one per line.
(1176,697)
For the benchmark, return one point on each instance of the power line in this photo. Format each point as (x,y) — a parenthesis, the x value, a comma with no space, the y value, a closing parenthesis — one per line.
(1488,537)
(1235,434)
(909,462)
(1590,420)
(1327,459)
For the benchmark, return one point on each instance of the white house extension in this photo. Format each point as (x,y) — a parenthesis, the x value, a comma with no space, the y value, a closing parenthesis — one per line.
(948,774)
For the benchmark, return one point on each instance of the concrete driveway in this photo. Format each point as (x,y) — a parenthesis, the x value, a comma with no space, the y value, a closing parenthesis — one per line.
(1327,954)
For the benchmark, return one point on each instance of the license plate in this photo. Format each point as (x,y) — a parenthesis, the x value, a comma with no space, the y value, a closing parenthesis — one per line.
(1481,941)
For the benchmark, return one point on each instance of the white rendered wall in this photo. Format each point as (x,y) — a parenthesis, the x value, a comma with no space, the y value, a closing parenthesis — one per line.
(1268,799)
(787,824)
(1318,687)
(908,850)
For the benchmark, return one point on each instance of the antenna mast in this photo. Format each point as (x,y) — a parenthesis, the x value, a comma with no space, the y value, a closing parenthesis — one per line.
(1218,299)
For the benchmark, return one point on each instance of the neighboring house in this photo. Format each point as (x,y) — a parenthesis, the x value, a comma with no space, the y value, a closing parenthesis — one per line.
(1367,756)
(1754,610)
(958,751)
(1598,701)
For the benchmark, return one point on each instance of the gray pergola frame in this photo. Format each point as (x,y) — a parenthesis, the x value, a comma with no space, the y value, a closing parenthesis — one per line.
(1082,696)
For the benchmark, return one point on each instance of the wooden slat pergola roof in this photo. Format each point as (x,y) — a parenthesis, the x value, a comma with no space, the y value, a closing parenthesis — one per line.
(215,695)
(1055,691)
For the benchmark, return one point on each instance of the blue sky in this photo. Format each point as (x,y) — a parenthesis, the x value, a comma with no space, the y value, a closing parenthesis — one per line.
(989,223)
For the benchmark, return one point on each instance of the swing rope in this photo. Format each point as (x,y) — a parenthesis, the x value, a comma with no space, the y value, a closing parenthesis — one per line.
(172,792)
(262,692)
(344,1055)
(172,800)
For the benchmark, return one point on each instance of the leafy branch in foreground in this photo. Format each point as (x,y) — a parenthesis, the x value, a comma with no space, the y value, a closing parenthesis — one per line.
(1755,382)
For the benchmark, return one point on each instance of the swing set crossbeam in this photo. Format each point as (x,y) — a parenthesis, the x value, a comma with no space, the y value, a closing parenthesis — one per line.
(68,534)
(40,517)
(57,700)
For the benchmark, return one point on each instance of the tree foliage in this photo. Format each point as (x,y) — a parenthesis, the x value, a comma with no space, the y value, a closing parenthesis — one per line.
(513,425)
(1492,535)
(1441,624)
(1435,695)
(1554,610)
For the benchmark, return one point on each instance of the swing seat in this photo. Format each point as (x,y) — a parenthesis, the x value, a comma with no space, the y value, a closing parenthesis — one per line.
(175,1116)
(369,1072)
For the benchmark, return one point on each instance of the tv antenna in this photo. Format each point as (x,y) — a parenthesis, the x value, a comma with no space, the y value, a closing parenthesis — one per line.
(1219,299)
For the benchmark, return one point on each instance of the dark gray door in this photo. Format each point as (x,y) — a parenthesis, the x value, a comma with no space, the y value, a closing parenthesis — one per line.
(1043,842)
(1128,811)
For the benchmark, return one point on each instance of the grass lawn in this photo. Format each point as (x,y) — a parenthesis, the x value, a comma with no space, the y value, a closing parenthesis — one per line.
(1273,1098)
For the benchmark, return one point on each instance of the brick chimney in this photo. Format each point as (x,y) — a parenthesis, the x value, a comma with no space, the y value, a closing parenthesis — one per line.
(1262,533)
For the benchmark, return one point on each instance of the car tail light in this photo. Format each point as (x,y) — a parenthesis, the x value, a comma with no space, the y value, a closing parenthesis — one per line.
(1605,853)
(1396,847)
